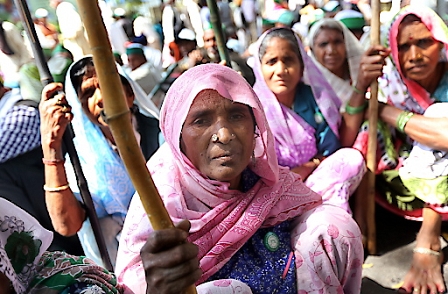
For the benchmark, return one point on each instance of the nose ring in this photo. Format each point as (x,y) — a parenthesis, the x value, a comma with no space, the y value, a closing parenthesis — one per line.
(419,56)
(215,138)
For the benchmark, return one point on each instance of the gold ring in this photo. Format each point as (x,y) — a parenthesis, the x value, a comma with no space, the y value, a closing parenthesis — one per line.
(64,108)
(59,101)
(416,290)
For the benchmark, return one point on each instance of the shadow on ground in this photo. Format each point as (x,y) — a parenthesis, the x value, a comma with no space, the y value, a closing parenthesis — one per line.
(384,271)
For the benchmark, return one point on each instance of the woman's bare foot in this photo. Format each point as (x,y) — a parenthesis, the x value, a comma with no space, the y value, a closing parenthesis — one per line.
(425,274)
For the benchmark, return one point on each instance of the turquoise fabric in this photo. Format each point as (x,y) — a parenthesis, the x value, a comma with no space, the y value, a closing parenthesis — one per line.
(305,105)
(441,93)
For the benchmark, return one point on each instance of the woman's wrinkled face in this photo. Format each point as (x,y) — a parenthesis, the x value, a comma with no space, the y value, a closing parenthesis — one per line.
(225,158)
(418,51)
(281,67)
(92,100)
(329,49)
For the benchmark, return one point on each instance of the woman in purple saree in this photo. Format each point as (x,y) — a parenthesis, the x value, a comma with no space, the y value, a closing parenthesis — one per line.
(303,113)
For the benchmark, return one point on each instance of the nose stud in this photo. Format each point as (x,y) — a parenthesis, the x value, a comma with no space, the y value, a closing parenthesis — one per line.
(419,56)
(215,138)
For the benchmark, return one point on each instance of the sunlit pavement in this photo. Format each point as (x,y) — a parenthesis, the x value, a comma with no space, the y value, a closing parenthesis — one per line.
(384,272)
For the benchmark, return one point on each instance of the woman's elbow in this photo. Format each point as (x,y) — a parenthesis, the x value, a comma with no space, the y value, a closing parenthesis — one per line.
(66,229)
(67,224)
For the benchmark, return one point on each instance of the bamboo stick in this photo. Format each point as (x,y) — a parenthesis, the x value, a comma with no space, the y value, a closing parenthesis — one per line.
(215,20)
(372,143)
(117,113)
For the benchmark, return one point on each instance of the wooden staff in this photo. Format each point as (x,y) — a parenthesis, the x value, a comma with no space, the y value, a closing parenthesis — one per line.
(215,20)
(118,113)
(46,78)
(372,143)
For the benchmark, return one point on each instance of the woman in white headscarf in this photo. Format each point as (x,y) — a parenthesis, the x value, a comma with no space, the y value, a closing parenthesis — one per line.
(339,56)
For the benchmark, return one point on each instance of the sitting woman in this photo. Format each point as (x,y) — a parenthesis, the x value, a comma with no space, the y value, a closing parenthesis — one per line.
(107,178)
(337,53)
(27,267)
(341,59)
(415,85)
(253,224)
(303,113)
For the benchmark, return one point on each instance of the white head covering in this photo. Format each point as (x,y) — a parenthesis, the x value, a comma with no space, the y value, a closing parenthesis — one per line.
(41,13)
(353,50)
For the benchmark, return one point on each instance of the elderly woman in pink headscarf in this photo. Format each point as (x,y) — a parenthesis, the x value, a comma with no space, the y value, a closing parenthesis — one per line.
(303,113)
(243,223)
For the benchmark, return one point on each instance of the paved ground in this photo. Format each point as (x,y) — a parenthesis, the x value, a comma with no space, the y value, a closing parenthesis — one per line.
(395,240)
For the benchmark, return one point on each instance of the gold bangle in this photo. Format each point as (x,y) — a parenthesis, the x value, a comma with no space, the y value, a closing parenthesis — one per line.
(316,161)
(56,189)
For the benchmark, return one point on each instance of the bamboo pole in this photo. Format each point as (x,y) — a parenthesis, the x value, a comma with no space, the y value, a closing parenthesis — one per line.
(215,20)
(372,143)
(117,114)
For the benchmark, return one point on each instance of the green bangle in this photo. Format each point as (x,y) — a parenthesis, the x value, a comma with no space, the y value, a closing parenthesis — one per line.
(356,90)
(403,119)
(356,110)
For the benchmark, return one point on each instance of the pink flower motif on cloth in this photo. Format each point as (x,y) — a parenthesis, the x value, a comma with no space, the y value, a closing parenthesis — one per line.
(222,283)
(315,254)
(327,245)
(350,234)
(333,231)
(299,259)
(356,264)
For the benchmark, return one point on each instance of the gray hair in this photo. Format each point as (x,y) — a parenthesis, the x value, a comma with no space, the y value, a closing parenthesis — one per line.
(324,24)
(282,33)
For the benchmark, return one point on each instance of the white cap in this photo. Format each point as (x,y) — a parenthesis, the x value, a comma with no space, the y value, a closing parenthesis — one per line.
(41,13)
(187,34)
(119,12)
(331,6)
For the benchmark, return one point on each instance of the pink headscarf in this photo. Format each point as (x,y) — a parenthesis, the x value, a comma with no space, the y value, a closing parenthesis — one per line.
(439,32)
(222,220)
(294,137)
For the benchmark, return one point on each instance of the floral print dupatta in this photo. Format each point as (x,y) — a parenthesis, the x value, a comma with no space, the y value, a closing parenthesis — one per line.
(31,269)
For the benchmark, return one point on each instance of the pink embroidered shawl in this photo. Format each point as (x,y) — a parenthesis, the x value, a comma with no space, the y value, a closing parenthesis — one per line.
(222,220)
(416,93)
(294,138)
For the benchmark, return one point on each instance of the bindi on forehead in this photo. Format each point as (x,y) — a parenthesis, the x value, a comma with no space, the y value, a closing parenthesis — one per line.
(412,32)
